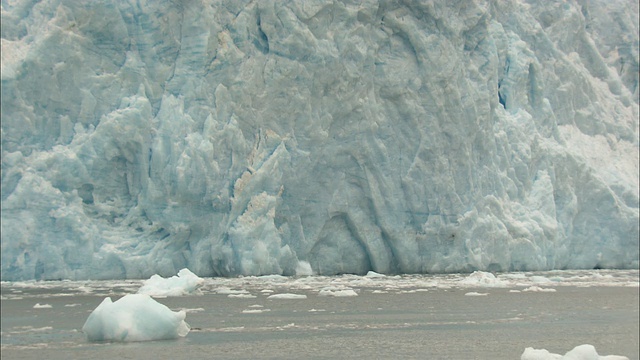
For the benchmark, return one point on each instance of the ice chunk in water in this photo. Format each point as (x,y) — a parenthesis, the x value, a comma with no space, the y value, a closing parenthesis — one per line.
(134,317)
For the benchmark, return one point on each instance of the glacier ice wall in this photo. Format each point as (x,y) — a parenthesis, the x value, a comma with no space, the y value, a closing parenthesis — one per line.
(248,137)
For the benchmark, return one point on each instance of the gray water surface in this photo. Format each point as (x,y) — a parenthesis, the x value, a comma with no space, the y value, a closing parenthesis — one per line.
(411,323)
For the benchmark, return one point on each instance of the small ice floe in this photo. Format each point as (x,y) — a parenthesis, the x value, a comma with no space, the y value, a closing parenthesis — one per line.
(540,279)
(337,292)
(134,317)
(42,306)
(581,352)
(228,291)
(241,296)
(255,311)
(379,292)
(272,278)
(373,274)
(412,291)
(287,296)
(29,329)
(473,293)
(192,310)
(84,289)
(184,283)
(72,305)
(539,289)
(483,279)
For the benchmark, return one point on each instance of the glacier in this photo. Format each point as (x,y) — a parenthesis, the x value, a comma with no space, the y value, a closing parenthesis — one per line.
(261,137)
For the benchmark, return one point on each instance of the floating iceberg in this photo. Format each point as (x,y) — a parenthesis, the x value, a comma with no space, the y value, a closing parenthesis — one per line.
(254,137)
(184,283)
(582,352)
(134,317)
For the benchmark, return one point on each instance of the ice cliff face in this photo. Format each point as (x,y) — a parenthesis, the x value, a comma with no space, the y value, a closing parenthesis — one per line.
(250,137)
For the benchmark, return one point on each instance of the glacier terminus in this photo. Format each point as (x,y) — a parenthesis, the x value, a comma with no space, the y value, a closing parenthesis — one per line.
(328,137)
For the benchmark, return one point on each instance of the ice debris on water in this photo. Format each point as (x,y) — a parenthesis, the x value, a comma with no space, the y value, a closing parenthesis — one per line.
(134,317)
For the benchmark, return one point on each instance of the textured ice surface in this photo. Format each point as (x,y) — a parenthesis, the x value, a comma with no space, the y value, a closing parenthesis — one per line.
(134,317)
(337,292)
(242,137)
(582,352)
(287,296)
(264,286)
(484,279)
(185,282)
